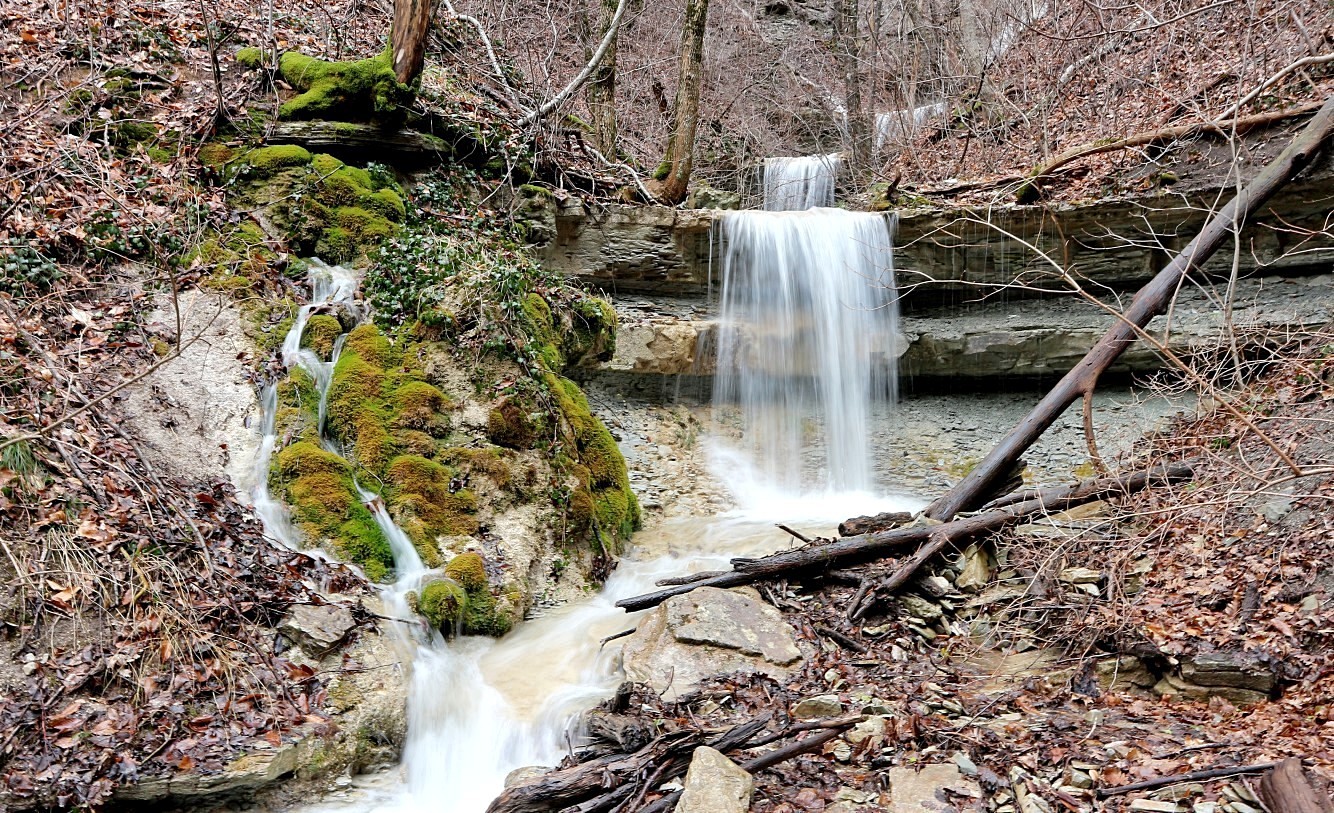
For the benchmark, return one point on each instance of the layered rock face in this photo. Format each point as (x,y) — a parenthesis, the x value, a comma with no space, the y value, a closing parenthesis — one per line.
(986,294)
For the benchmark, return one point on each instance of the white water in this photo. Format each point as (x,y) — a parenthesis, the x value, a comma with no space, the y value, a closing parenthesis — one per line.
(900,125)
(806,182)
(479,708)
(807,323)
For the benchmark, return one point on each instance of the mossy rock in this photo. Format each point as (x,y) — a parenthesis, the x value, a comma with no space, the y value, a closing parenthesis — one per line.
(360,90)
(322,331)
(468,570)
(421,406)
(305,458)
(509,425)
(490,462)
(442,603)
(265,162)
(592,332)
(251,58)
(423,497)
(370,343)
(609,500)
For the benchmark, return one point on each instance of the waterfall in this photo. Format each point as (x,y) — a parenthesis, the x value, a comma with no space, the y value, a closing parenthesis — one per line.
(808,320)
(902,125)
(800,183)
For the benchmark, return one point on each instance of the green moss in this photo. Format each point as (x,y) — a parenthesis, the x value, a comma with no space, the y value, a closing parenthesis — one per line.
(305,458)
(489,462)
(362,89)
(129,133)
(336,245)
(592,333)
(422,494)
(601,473)
(442,603)
(387,203)
(251,58)
(322,330)
(468,570)
(481,616)
(370,343)
(265,162)
(325,503)
(421,406)
(509,425)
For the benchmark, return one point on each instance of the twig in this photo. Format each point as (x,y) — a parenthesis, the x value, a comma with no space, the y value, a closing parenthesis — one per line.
(803,537)
(845,641)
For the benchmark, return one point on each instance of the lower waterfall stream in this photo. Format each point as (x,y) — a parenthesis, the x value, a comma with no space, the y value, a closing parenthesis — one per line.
(480,708)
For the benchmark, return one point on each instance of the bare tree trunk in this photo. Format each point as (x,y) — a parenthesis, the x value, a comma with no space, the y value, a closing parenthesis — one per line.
(681,149)
(1148,303)
(848,46)
(601,91)
(412,25)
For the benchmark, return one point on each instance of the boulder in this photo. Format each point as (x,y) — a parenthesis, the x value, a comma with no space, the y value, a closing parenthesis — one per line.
(715,784)
(318,629)
(705,632)
(931,789)
(1235,670)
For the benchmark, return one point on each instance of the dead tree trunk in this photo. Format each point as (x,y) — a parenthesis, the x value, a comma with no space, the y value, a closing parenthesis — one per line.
(412,24)
(856,549)
(1148,303)
(680,158)
(848,48)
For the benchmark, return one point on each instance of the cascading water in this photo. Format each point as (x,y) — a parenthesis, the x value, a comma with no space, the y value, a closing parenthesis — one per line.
(479,708)
(800,183)
(807,324)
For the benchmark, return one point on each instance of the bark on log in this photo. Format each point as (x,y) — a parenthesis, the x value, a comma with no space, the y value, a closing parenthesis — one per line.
(872,546)
(874,524)
(1148,303)
(1288,789)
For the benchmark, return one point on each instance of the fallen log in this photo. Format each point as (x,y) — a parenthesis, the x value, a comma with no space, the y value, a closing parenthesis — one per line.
(858,526)
(757,764)
(1222,127)
(1151,300)
(868,547)
(1176,779)
(591,780)
(1288,789)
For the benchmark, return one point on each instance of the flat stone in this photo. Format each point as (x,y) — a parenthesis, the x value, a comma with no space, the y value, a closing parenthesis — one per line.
(1175,686)
(318,629)
(813,708)
(715,784)
(1123,671)
(1237,670)
(1154,806)
(1080,575)
(932,789)
(707,632)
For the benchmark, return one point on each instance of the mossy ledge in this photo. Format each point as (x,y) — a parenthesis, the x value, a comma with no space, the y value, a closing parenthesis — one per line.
(359,90)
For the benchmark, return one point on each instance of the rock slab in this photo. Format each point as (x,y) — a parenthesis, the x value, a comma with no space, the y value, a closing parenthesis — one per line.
(715,784)
(706,632)
(317,630)
(932,789)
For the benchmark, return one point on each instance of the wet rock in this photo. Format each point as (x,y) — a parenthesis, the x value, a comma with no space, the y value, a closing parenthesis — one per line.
(715,784)
(318,629)
(706,632)
(813,708)
(931,789)
(243,775)
(873,524)
(872,728)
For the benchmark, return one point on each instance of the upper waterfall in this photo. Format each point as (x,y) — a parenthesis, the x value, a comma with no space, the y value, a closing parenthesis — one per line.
(800,183)
(807,326)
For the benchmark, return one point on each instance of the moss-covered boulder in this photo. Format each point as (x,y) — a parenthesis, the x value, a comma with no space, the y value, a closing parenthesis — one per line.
(321,333)
(359,90)
(442,603)
(326,505)
(482,614)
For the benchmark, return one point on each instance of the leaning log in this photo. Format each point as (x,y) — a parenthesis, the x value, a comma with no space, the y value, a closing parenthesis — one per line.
(857,549)
(1151,300)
